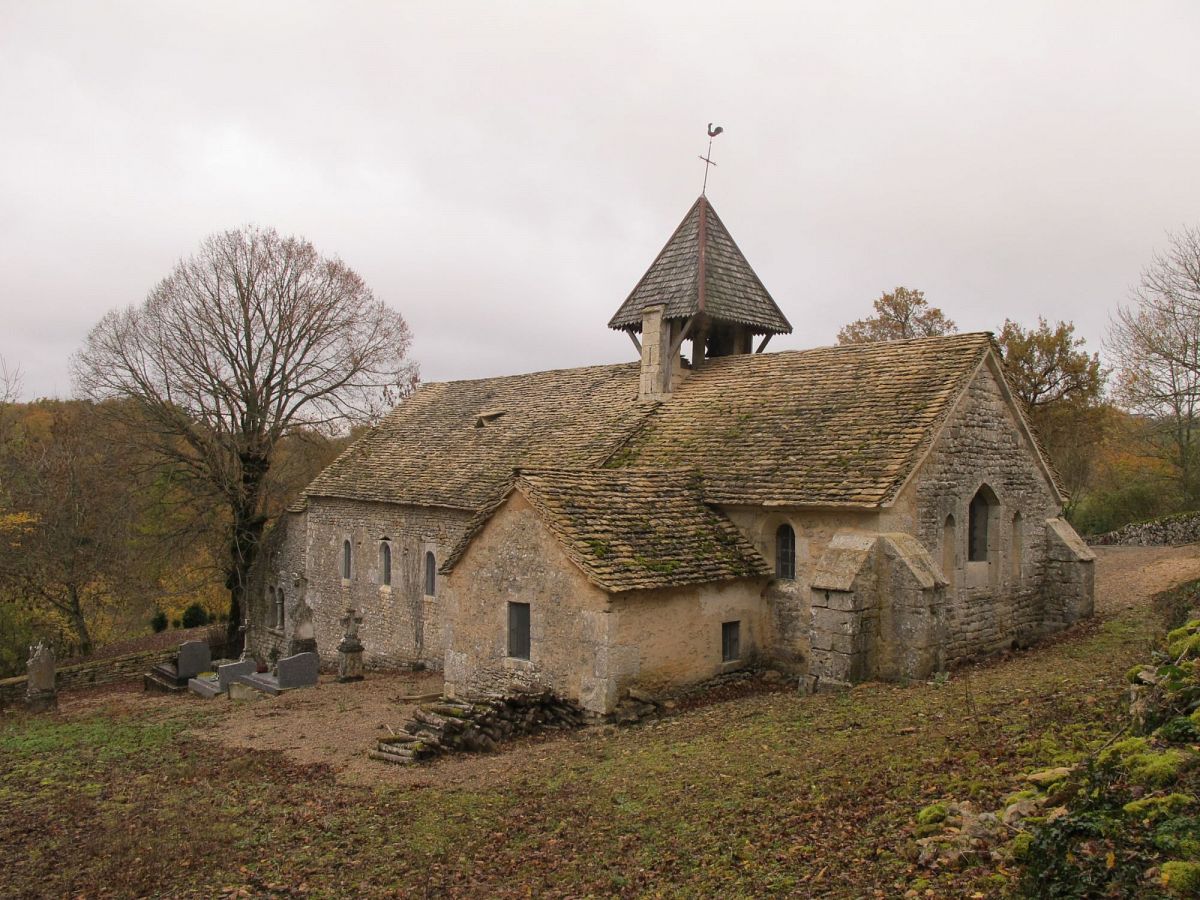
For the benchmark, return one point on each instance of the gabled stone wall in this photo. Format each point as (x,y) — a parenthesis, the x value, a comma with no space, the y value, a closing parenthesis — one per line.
(995,604)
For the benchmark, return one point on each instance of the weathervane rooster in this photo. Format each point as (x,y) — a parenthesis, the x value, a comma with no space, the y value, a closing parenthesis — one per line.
(712,133)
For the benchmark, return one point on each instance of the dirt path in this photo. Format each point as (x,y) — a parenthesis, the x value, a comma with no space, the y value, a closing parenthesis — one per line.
(1128,576)
(336,724)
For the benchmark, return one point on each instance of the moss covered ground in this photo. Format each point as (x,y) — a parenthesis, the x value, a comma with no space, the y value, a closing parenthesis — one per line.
(773,793)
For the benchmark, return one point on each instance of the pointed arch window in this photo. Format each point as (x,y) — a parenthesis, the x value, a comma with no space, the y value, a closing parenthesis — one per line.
(979,538)
(949,550)
(430,574)
(385,564)
(785,552)
(346,560)
(279,609)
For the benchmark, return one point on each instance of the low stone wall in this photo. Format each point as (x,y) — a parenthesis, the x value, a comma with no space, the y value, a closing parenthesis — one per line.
(102,671)
(1168,531)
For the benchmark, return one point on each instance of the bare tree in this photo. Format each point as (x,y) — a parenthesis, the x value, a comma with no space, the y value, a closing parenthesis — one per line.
(252,339)
(902,314)
(1155,340)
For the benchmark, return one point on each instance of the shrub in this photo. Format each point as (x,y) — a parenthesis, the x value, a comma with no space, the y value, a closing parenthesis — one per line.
(159,621)
(194,616)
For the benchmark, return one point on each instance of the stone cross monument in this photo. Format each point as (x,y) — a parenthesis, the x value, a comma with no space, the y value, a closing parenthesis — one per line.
(350,650)
(41,694)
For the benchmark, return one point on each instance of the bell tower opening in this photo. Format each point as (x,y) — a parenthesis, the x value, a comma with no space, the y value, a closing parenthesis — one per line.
(700,289)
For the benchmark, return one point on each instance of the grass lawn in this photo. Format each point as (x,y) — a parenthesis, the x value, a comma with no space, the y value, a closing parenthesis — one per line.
(772,793)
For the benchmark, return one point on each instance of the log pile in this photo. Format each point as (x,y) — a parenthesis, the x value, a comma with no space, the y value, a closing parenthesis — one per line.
(453,726)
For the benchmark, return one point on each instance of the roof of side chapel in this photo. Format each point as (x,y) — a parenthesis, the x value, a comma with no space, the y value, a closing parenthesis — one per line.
(834,426)
(633,530)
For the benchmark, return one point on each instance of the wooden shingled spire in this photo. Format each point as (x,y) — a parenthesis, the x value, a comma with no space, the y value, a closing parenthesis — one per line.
(708,291)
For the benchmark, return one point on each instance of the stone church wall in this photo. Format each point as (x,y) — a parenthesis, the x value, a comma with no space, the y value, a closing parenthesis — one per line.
(673,637)
(789,601)
(514,558)
(401,625)
(990,605)
(280,566)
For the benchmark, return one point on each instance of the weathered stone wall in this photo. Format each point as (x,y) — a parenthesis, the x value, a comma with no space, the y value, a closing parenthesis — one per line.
(992,604)
(514,558)
(401,625)
(130,667)
(280,566)
(665,638)
(878,610)
(1069,582)
(789,601)
(1167,531)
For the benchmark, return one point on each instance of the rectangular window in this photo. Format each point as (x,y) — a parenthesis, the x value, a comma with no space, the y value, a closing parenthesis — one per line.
(731,640)
(518,630)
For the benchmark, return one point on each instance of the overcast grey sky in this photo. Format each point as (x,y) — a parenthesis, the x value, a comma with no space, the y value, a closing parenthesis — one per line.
(502,173)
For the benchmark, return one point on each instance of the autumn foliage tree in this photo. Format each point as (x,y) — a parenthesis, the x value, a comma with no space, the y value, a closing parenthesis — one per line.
(1061,387)
(255,338)
(900,314)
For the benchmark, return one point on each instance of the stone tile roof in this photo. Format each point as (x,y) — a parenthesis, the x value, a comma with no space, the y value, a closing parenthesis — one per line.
(835,426)
(456,443)
(634,530)
(702,269)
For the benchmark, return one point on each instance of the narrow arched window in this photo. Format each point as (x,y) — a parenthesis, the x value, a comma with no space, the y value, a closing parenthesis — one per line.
(385,563)
(1018,546)
(345,560)
(978,536)
(272,607)
(949,550)
(279,608)
(430,574)
(785,552)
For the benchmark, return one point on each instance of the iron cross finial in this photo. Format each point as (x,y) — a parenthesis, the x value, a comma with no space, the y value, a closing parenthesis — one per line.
(712,133)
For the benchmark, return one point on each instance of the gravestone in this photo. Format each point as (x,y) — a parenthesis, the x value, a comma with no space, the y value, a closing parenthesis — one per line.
(41,694)
(226,674)
(194,658)
(350,650)
(304,637)
(297,671)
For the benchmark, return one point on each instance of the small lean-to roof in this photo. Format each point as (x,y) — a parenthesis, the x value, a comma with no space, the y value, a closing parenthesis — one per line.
(455,444)
(632,530)
(701,269)
(835,426)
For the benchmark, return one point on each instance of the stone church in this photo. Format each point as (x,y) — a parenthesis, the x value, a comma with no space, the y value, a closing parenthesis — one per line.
(874,511)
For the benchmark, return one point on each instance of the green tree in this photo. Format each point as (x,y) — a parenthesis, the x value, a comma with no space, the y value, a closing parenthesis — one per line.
(899,315)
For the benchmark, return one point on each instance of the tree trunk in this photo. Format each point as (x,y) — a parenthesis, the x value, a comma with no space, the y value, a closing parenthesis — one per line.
(248,525)
(75,613)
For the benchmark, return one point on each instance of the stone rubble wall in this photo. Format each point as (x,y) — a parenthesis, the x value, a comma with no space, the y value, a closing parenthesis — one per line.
(990,605)
(87,674)
(401,626)
(1169,531)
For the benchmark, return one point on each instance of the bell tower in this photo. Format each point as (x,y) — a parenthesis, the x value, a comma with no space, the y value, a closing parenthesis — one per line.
(701,289)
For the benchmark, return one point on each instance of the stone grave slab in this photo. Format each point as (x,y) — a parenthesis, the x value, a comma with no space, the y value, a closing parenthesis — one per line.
(205,685)
(227,673)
